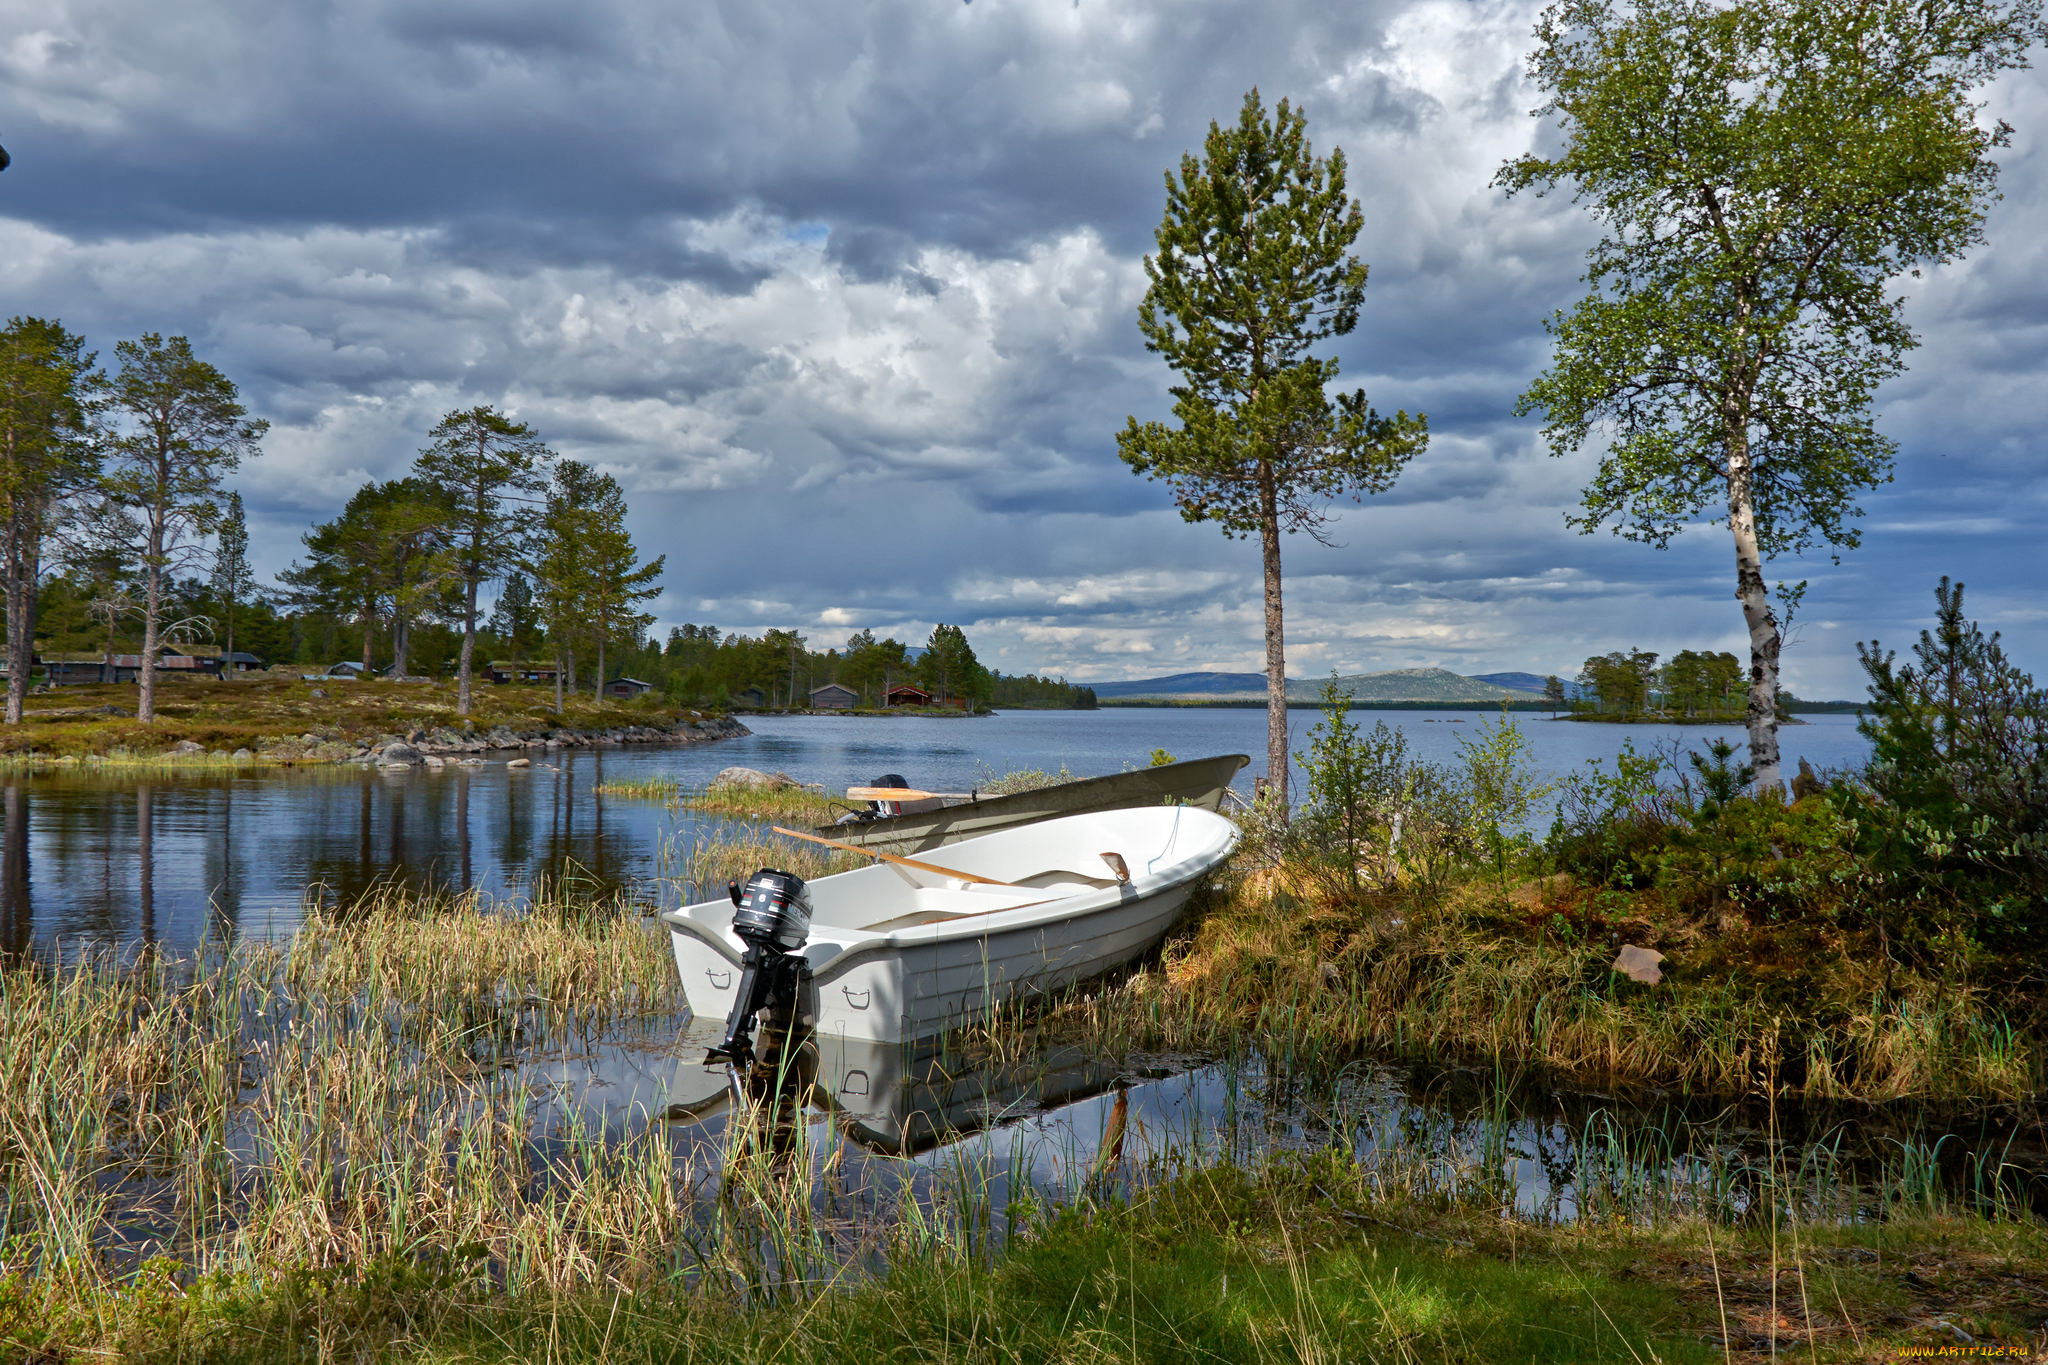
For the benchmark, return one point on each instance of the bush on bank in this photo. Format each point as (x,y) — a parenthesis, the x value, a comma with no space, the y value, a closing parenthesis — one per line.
(1873,934)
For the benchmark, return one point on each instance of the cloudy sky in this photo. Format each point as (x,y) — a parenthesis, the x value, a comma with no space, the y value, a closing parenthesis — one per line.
(844,295)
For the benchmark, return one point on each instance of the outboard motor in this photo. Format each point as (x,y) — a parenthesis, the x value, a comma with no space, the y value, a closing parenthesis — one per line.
(772,916)
(883,809)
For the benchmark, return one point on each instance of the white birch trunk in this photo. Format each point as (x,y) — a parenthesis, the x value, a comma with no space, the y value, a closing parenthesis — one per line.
(1764,640)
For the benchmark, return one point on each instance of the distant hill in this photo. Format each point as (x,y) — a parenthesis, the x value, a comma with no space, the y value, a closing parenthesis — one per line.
(1412,684)
(1525,682)
(1397,685)
(1187,685)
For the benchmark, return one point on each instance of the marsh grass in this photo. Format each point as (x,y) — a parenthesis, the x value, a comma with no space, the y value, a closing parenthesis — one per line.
(341,1098)
(1263,961)
(641,788)
(804,806)
(705,864)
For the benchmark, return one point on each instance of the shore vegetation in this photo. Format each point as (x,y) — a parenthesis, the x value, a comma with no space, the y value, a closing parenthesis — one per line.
(273,714)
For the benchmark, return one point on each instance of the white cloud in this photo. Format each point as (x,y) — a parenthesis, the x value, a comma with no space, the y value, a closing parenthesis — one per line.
(844,295)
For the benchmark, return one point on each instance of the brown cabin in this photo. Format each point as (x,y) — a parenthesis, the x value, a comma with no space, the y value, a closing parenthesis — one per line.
(834,697)
(904,694)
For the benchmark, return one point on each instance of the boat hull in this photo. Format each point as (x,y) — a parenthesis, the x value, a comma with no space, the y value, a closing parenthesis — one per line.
(925,980)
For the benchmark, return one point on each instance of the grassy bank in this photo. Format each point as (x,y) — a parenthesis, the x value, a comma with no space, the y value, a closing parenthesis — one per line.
(1524,977)
(327,1150)
(289,718)
(1302,1261)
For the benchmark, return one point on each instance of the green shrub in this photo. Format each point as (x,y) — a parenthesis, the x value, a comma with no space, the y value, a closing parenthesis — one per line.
(1959,763)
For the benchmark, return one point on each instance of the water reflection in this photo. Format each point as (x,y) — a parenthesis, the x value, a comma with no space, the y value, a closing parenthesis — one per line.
(1057,1119)
(144,859)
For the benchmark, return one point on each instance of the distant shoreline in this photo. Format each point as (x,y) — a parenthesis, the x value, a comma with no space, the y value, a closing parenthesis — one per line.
(1538,707)
(1303,704)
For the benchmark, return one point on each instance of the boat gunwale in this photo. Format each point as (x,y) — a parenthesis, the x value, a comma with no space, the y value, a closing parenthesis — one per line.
(1010,810)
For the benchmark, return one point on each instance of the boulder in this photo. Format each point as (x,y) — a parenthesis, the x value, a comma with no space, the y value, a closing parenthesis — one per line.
(400,753)
(519,763)
(435,761)
(752,779)
(244,756)
(1639,964)
(188,746)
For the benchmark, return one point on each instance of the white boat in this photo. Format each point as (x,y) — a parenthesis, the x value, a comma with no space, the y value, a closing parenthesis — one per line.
(900,953)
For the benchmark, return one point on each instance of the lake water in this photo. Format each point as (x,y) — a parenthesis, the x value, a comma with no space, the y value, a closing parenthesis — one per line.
(173,859)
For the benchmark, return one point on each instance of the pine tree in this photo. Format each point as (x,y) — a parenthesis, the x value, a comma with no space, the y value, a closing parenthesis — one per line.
(491,470)
(182,427)
(49,394)
(1253,269)
(231,577)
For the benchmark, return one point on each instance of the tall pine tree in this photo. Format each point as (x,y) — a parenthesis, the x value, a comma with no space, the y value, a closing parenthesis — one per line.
(1254,267)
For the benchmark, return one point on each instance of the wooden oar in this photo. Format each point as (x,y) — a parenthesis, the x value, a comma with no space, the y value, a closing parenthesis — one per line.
(904,794)
(892,858)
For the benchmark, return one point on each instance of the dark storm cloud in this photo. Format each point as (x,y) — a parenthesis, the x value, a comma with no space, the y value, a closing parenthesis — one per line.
(866,275)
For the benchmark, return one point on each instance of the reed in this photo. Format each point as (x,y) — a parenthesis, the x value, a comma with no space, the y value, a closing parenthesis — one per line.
(641,788)
(785,805)
(348,1096)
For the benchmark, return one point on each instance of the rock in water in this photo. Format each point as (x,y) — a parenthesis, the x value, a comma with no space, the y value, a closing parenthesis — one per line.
(752,778)
(519,763)
(1806,782)
(1640,964)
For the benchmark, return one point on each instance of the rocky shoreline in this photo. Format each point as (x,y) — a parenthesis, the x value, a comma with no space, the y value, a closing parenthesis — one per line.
(441,746)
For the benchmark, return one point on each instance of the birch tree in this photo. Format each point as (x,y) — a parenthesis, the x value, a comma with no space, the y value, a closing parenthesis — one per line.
(1763,173)
(1253,268)
(181,428)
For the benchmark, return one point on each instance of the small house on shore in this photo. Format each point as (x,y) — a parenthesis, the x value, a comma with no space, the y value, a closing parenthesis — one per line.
(71,667)
(834,697)
(904,694)
(241,661)
(750,696)
(520,671)
(623,686)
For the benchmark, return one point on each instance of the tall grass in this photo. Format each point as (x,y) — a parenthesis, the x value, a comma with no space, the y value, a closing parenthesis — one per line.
(1263,963)
(347,1096)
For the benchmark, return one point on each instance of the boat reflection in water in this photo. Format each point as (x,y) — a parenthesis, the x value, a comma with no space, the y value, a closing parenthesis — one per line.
(899,1099)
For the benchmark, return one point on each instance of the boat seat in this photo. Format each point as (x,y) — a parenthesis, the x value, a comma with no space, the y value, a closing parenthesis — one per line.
(1062,876)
